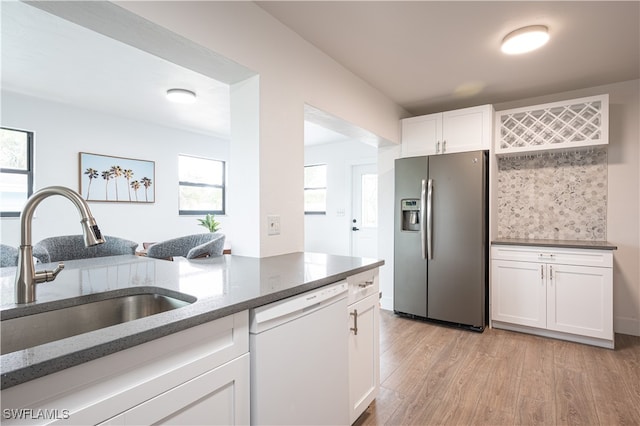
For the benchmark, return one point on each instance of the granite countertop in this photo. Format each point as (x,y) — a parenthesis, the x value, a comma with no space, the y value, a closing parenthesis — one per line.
(222,286)
(580,244)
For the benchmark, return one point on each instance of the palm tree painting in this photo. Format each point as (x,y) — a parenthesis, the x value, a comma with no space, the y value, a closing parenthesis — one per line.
(128,174)
(116,172)
(135,185)
(106,175)
(119,177)
(91,175)
(146,182)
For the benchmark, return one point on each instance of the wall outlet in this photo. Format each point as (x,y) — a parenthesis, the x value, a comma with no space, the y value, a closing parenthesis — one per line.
(273,225)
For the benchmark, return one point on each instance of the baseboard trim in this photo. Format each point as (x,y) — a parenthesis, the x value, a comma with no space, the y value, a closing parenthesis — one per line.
(626,325)
(603,343)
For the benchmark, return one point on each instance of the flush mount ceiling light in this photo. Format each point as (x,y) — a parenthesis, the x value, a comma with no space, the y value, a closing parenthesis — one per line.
(525,39)
(181,96)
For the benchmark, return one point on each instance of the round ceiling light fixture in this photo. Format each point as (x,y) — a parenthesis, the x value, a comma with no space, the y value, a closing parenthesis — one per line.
(525,39)
(182,96)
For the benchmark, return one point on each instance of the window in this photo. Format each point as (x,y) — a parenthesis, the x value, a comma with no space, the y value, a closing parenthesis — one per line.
(315,189)
(201,185)
(16,170)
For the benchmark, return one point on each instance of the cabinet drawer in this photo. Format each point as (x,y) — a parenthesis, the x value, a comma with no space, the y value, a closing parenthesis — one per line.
(219,396)
(362,285)
(560,255)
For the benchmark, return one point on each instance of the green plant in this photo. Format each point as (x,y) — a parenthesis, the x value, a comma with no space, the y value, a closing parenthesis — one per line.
(210,223)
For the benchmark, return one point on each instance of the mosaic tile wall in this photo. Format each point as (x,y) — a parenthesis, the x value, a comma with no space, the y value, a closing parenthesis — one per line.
(559,196)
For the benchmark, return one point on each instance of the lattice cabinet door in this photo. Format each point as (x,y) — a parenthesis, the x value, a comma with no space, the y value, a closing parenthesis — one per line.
(572,124)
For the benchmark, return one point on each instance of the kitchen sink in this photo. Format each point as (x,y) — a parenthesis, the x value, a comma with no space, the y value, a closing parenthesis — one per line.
(43,327)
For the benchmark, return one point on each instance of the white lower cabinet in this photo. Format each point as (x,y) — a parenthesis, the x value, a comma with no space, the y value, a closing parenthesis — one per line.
(518,293)
(562,293)
(363,315)
(196,376)
(217,397)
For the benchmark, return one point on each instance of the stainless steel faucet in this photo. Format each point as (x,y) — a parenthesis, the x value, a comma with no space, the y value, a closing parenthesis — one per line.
(26,275)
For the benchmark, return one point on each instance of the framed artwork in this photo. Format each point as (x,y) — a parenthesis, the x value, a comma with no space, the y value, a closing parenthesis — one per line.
(116,179)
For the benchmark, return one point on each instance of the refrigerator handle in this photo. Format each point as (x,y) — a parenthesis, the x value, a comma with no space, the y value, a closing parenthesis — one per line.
(429,226)
(423,219)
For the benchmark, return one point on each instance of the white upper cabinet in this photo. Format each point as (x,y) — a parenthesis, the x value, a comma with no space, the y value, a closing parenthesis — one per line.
(572,124)
(420,135)
(466,129)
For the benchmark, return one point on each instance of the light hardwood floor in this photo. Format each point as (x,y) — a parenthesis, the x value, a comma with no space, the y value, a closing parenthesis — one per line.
(435,375)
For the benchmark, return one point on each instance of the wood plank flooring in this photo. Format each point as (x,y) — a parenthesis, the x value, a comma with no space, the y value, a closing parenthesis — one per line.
(435,375)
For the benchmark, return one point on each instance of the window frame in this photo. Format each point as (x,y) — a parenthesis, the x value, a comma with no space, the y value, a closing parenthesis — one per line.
(222,186)
(306,188)
(28,171)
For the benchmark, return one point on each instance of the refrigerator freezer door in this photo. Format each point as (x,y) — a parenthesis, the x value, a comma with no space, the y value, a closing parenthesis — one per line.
(456,272)
(410,270)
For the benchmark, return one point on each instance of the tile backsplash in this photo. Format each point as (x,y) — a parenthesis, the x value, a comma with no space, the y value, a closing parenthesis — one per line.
(558,196)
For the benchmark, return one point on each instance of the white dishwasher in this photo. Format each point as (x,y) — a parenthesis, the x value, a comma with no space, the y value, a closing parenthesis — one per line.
(299,359)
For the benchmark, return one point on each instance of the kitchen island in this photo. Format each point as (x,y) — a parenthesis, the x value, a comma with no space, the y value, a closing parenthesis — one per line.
(221,289)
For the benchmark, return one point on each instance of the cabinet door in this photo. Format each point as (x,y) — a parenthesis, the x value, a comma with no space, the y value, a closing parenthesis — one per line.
(421,135)
(467,129)
(518,293)
(580,300)
(364,355)
(218,397)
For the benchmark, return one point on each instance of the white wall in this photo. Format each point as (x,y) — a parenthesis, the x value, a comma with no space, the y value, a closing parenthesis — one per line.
(386,202)
(62,131)
(292,72)
(331,233)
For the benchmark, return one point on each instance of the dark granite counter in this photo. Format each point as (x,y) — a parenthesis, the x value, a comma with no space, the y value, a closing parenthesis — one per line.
(594,245)
(221,286)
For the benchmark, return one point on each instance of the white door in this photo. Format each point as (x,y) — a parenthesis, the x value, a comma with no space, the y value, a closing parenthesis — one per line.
(364,208)
(519,293)
(421,135)
(579,300)
(364,354)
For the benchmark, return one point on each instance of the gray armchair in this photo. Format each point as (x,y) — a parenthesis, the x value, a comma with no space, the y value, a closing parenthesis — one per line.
(8,256)
(190,246)
(69,247)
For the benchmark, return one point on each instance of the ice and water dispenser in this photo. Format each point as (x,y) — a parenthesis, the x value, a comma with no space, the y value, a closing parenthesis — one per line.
(410,215)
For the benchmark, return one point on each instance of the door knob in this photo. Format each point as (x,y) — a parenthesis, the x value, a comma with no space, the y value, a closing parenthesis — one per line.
(355,229)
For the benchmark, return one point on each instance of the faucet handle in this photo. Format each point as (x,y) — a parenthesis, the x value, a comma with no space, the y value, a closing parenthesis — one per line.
(56,271)
(45,276)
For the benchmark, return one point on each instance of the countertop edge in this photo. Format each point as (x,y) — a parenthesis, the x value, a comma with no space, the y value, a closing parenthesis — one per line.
(578,244)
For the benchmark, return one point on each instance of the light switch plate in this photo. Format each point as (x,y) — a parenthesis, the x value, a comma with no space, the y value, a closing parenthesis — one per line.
(273,225)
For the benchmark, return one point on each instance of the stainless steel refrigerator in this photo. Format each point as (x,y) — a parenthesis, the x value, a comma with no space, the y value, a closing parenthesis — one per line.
(441,238)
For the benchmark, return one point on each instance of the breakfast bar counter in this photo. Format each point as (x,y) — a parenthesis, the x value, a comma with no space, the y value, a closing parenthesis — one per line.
(217,286)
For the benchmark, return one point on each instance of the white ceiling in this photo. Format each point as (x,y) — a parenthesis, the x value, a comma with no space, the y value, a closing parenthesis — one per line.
(51,58)
(426,56)
(432,56)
